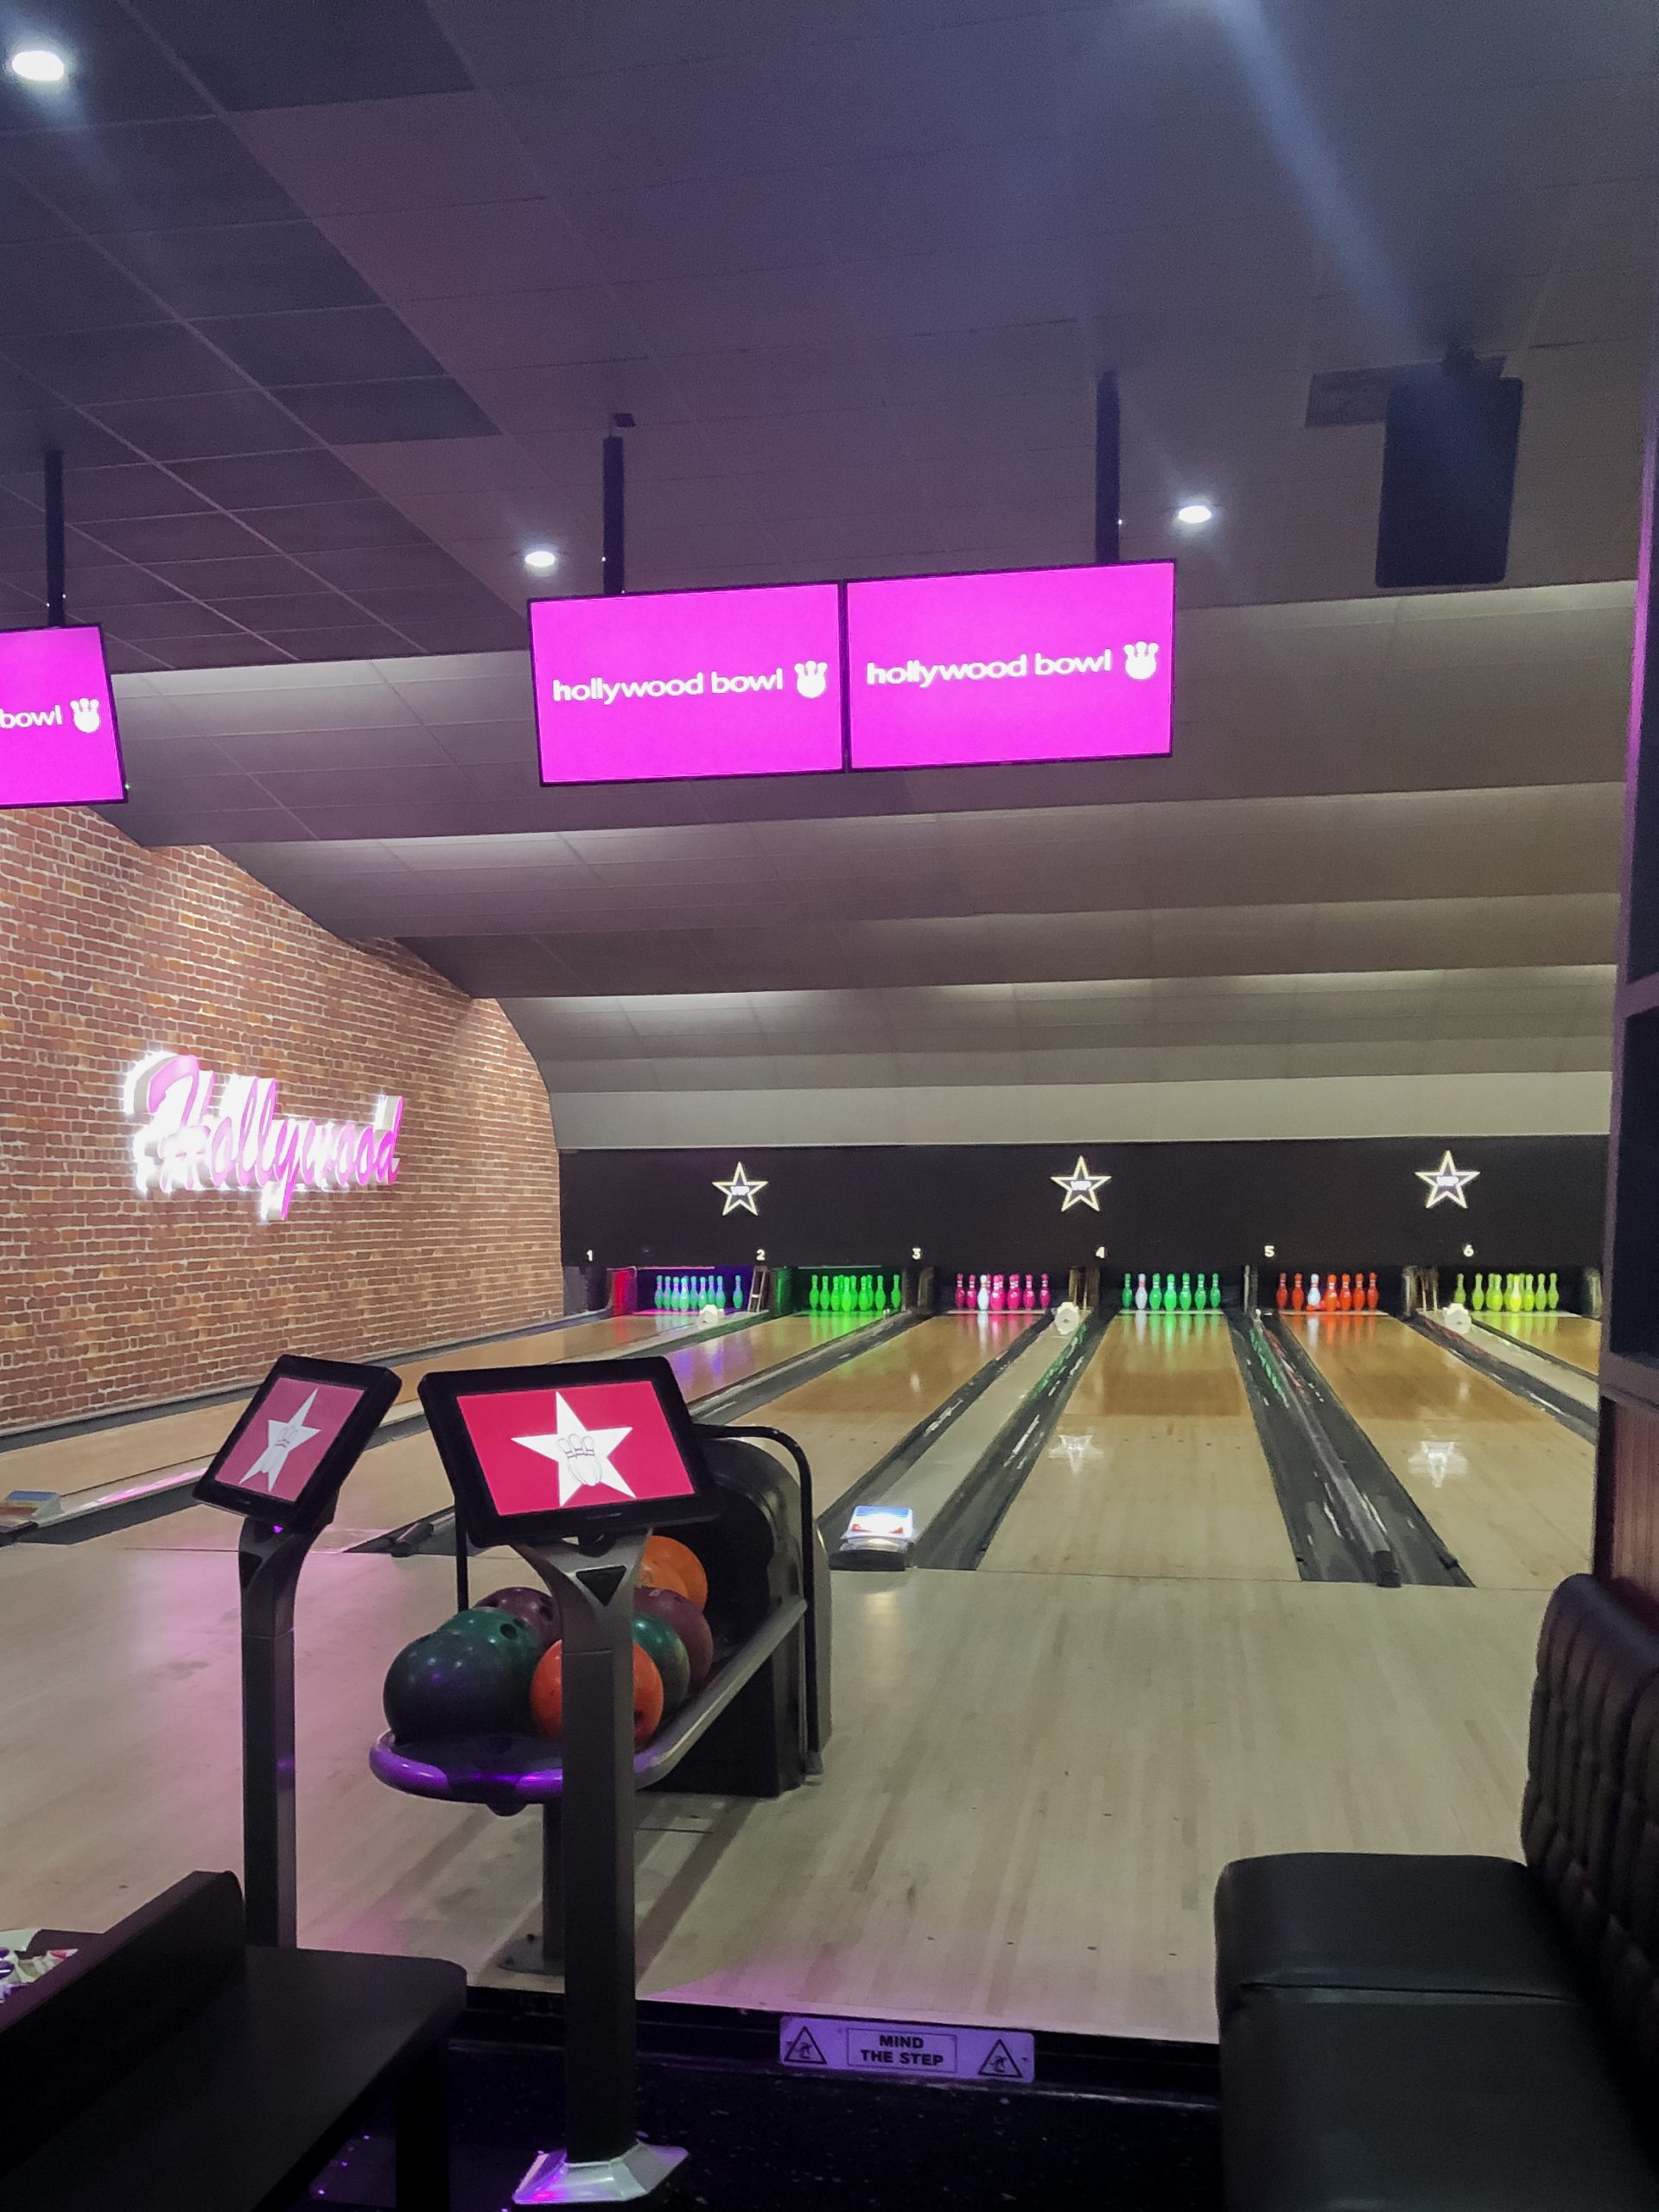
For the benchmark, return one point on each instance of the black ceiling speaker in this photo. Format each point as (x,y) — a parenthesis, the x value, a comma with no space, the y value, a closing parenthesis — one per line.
(1448,478)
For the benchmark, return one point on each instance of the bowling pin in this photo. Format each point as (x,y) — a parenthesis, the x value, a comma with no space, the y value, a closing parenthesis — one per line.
(984,1293)
(1186,1300)
(1282,1296)
(1347,1300)
(1297,1296)
(1128,1292)
(1140,1300)
(1156,1301)
(1515,1294)
(1042,1293)
(1552,1296)
(1370,1292)
(1314,1299)
(1477,1296)
(1458,1298)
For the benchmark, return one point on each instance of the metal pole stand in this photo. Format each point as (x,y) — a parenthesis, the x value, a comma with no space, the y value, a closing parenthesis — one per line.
(603,2161)
(268,1562)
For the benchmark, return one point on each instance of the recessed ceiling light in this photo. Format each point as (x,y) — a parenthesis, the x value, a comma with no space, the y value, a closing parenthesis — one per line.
(38,65)
(1192,514)
(541,559)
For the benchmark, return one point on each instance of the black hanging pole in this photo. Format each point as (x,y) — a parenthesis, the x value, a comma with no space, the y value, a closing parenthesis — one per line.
(1108,486)
(614,551)
(56,611)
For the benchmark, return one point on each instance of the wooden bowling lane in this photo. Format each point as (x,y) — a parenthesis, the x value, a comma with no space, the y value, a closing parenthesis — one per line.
(1572,1337)
(151,1444)
(396,1482)
(1508,1488)
(846,1419)
(1154,1469)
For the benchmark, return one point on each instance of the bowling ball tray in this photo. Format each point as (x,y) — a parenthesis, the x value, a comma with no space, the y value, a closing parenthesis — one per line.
(507,1773)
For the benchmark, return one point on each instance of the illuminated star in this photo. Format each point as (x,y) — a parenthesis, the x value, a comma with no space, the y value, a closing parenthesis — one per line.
(1079,1187)
(282,1437)
(1447,1181)
(583,1455)
(740,1193)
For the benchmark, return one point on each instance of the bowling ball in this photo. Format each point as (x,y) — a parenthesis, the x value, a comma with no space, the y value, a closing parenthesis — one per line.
(506,1632)
(444,1685)
(668,1553)
(667,1654)
(547,1695)
(687,1622)
(539,1608)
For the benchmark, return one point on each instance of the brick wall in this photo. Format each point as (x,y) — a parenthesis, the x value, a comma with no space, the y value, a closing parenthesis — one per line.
(107,1299)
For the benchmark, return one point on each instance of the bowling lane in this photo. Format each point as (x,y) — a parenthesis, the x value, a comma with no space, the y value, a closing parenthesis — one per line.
(1572,1337)
(1155,1468)
(846,1419)
(1508,1488)
(396,1482)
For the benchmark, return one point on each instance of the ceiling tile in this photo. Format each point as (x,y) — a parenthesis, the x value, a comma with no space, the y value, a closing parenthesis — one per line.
(256,573)
(247,269)
(514,245)
(213,423)
(253,480)
(435,150)
(120,75)
(321,346)
(417,407)
(66,284)
(179,617)
(148,176)
(337,526)
(367,641)
(393,568)
(157,361)
(118,494)
(306,53)
(178,537)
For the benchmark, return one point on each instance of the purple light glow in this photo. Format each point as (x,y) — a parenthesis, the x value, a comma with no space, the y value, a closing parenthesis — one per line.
(688,684)
(1036,665)
(58,741)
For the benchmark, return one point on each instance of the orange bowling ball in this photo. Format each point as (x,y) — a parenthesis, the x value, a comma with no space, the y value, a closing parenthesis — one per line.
(547,1695)
(665,1558)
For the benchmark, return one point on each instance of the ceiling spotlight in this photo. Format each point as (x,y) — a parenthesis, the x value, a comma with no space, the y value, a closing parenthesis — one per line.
(541,559)
(1192,514)
(38,65)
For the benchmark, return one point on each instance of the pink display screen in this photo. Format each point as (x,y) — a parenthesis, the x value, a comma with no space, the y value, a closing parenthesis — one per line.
(688,684)
(1036,665)
(294,1425)
(58,743)
(553,1450)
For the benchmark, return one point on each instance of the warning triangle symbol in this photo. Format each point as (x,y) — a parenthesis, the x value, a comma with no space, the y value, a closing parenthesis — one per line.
(1000,2065)
(603,1581)
(803,2050)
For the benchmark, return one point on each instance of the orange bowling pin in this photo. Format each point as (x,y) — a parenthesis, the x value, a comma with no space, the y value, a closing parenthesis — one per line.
(1282,1296)
(1370,1292)
(1298,1297)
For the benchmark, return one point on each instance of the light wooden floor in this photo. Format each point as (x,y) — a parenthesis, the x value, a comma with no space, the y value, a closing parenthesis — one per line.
(1572,1337)
(1034,1779)
(127,1451)
(1155,1468)
(846,1419)
(395,1483)
(1507,1487)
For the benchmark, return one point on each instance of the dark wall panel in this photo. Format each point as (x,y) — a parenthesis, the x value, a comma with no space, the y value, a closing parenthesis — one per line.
(1537,1203)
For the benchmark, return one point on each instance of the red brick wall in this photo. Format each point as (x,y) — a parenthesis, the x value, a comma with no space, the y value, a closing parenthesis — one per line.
(108,1299)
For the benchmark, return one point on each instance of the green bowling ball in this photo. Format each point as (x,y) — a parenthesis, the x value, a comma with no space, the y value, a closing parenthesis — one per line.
(660,1644)
(444,1685)
(507,1633)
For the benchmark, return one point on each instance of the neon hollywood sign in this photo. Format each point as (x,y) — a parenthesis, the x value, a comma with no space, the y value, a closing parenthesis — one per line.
(201,1131)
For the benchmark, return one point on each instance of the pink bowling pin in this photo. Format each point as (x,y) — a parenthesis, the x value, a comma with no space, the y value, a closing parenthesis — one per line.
(1045,1294)
(961,1294)
(996,1293)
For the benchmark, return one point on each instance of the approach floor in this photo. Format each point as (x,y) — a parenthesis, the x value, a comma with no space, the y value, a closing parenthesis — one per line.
(1506,1487)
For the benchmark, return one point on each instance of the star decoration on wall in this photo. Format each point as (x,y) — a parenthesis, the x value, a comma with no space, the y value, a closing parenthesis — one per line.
(282,1437)
(1447,1181)
(583,1454)
(740,1193)
(1079,1187)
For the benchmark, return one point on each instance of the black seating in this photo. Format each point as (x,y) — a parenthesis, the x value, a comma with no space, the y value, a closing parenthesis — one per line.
(169,2064)
(1464,2032)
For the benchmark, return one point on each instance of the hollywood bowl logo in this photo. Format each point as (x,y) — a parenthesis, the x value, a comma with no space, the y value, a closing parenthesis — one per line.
(87,714)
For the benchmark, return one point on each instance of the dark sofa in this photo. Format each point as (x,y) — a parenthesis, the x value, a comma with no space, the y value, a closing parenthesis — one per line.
(1466,2034)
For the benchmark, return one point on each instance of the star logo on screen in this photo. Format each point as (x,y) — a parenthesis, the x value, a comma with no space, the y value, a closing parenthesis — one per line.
(583,1454)
(282,1438)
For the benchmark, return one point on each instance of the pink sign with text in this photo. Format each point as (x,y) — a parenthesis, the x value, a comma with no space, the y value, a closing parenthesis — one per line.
(283,1445)
(1032,664)
(58,742)
(688,684)
(547,1450)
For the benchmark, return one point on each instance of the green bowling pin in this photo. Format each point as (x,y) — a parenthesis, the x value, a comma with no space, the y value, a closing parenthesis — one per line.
(898,1294)
(1552,1296)
(1186,1300)
(1155,1303)
(1128,1293)
(1458,1298)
